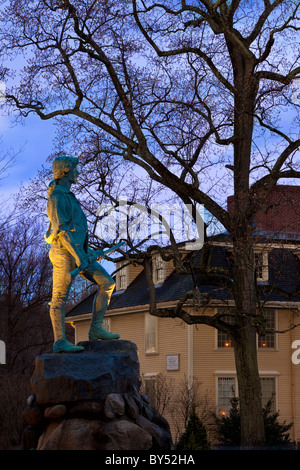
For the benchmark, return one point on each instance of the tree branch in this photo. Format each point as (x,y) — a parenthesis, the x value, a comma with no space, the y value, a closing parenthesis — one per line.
(182,50)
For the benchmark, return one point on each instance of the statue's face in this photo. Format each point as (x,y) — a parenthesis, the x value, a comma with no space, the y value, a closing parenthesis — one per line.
(73,174)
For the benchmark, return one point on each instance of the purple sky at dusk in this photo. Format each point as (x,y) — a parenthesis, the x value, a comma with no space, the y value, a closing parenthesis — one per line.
(31,142)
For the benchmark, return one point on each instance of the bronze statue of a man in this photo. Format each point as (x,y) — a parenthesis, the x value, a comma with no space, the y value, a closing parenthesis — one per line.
(69,249)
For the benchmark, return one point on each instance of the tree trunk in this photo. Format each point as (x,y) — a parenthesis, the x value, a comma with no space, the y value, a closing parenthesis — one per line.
(252,425)
(245,346)
(245,297)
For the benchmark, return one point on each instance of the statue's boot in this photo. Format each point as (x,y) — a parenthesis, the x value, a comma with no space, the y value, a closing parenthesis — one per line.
(65,346)
(97,331)
(61,344)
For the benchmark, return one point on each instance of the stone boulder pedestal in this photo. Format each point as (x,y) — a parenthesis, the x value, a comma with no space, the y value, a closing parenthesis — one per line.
(103,367)
(90,401)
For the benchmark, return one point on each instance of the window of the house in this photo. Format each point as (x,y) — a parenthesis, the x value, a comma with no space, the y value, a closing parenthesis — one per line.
(158,269)
(226,391)
(122,276)
(106,324)
(150,334)
(261,265)
(150,387)
(268,340)
(224,340)
(268,391)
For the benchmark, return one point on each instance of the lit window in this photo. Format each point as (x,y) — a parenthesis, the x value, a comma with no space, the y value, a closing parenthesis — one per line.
(226,391)
(264,341)
(268,340)
(150,334)
(224,340)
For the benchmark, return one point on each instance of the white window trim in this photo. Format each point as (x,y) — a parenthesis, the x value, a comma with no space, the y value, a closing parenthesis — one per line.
(157,258)
(274,375)
(155,320)
(265,265)
(150,376)
(125,270)
(232,374)
(230,348)
(265,253)
(219,348)
(276,334)
(107,323)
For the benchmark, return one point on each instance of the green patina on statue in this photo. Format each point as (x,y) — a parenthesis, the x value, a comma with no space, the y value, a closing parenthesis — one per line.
(69,253)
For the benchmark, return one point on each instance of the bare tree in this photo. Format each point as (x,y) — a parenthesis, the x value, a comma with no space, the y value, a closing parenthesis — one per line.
(188,92)
(160,392)
(25,290)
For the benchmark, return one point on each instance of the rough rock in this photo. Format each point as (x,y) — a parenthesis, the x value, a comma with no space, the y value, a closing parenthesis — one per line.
(55,411)
(69,434)
(91,401)
(161,438)
(86,409)
(131,406)
(114,406)
(87,434)
(104,367)
(124,435)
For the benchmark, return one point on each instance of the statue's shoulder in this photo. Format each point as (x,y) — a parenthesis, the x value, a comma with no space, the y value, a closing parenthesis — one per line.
(59,192)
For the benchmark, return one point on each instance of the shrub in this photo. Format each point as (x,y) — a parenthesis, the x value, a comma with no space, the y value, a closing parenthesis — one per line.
(276,433)
(195,436)
(229,427)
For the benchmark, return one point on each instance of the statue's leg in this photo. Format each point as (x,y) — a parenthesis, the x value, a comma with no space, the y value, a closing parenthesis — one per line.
(97,274)
(63,263)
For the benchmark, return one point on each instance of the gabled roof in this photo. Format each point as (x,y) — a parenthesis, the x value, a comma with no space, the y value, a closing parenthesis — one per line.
(284,271)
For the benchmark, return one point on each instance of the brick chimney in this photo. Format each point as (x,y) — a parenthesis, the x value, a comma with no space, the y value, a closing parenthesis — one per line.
(283,214)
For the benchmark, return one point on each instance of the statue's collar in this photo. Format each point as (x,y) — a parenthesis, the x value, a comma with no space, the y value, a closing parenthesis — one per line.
(62,189)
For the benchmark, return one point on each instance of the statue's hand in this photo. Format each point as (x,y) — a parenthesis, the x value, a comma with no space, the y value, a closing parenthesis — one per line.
(84,263)
(99,253)
(93,253)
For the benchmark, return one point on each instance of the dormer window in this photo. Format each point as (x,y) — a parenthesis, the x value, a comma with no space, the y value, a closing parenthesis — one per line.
(122,278)
(261,265)
(158,269)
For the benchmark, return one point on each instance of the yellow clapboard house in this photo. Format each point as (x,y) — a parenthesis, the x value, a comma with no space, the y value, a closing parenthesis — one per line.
(176,353)
(175,356)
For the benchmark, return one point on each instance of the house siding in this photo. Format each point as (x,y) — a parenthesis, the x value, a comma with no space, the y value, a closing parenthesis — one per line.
(82,330)
(209,362)
(196,345)
(172,338)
